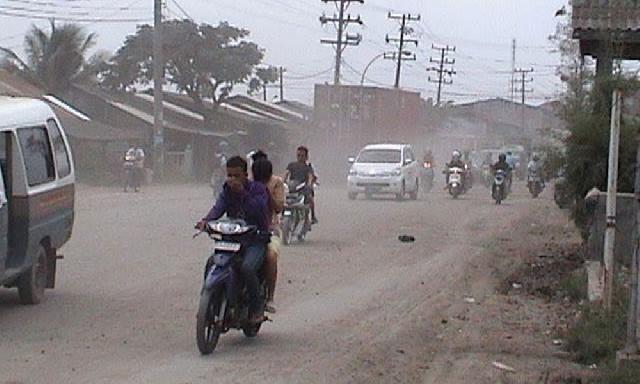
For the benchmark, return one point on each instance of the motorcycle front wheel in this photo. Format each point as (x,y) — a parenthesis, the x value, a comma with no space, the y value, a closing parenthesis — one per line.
(286,231)
(207,333)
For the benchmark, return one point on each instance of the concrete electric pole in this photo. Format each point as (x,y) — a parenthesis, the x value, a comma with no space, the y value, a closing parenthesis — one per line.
(441,70)
(402,55)
(343,39)
(158,80)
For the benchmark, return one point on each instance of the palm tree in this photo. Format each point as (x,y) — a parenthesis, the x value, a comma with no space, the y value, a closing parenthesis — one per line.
(56,59)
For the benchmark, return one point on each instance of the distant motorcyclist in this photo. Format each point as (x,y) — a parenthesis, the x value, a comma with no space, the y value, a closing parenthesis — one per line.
(456,162)
(534,167)
(302,171)
(134,166)
(428,158)
(503,165)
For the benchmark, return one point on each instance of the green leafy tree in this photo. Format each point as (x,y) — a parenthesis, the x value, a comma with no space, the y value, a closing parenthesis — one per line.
(203,61)
(586,143)
(55,59)
(262,78)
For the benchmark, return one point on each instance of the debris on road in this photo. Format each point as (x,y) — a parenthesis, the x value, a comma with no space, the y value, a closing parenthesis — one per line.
(503,367)
(469,300)
(406,238)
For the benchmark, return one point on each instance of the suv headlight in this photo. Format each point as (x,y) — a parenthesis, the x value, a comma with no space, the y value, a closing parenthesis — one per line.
(353,172)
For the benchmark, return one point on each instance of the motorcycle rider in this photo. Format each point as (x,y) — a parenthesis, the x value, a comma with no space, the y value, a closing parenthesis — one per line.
(135,156)
(503,165)
(456,162)
(262,170)
(248,200)
(534,167)
(218,175)
(302,171)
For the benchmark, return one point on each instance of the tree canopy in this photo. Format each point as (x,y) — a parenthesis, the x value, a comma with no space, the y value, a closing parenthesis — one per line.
(201,60)
(55,59)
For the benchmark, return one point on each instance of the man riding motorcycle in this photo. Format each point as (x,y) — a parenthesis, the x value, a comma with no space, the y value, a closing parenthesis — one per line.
(301,171)
(503,165)
(248,200)
(456,162)
(534,168)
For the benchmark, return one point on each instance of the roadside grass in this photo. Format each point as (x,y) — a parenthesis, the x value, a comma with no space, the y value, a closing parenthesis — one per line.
(597,336)
(574,286)
(625,375)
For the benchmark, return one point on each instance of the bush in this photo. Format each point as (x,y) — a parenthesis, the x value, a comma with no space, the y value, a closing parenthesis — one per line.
(574,286)
(598,335)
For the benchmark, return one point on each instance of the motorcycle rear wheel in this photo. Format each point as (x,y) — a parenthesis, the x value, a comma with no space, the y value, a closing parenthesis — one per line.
(207,334)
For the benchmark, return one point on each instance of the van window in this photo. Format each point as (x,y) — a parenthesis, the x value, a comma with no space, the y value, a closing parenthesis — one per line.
(59,149)
(409,155)
(36,151)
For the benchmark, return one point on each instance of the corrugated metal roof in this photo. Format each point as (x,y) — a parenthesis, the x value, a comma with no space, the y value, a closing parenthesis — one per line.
(606,15)
(74,125)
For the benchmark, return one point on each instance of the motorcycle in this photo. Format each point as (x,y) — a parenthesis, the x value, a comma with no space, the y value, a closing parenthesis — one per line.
(456,185)
(499,188)
(130,173)
(535,184)
(223,298)
(295,217)
(426,176)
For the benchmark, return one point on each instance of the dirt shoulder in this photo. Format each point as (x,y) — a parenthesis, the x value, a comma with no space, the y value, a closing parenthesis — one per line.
(510,329)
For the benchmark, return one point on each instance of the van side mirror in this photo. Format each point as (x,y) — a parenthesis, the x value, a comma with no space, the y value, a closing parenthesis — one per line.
(351,160)
(407,161)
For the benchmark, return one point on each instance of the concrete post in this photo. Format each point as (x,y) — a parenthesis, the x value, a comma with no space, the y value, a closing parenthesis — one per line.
(612,189)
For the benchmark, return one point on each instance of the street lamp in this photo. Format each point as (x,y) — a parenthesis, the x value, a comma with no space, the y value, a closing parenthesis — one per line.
(364,73)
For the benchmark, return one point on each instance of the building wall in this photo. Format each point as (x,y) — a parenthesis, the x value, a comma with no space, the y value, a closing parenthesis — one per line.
(348,117)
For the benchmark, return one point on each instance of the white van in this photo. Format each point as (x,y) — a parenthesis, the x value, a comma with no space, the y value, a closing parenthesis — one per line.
(384,168)
(37,188)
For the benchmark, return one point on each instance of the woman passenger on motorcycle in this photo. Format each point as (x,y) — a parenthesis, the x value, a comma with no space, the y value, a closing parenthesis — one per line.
(262,170)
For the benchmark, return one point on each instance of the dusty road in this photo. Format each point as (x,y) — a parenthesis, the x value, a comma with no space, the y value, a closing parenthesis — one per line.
(354,304)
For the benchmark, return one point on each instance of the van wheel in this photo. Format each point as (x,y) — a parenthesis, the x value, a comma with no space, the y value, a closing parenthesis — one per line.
(31,284)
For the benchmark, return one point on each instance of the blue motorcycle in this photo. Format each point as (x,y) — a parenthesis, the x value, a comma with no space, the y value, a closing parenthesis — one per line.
(223,298)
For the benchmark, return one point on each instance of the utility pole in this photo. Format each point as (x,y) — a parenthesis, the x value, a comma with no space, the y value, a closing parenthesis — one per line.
(343,39)
(632,346)
(402,55)
(441,70)
(281,70)
(158,80)
(513,71)
(523,89)
(612,194)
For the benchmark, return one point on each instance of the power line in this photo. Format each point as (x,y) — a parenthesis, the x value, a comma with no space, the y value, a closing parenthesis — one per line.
(73,19)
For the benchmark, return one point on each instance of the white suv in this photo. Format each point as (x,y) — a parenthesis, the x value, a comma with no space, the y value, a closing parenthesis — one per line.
(384,168)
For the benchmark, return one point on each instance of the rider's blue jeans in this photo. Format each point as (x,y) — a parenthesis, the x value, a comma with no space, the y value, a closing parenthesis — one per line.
(253,258)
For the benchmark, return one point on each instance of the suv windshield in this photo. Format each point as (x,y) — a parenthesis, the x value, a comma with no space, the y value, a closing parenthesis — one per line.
(380,156)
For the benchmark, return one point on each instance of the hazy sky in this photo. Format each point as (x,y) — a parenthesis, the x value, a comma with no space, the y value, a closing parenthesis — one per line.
(289,31)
